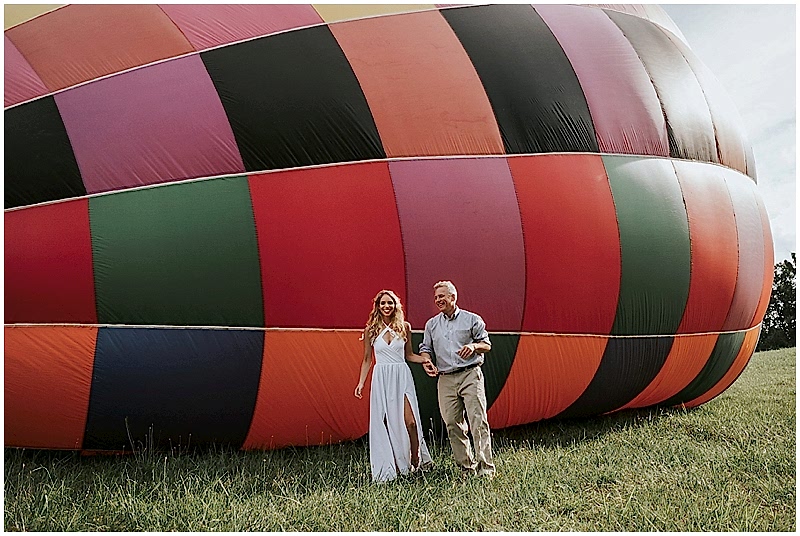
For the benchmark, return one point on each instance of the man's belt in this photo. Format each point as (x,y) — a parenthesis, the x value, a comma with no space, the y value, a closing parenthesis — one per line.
(460,369)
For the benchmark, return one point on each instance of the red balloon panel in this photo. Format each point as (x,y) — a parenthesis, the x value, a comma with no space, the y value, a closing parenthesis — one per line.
(319,231)
(77,43)
(48,264)
(571,243)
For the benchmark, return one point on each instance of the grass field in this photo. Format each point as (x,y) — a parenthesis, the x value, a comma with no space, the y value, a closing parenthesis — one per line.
(726,466)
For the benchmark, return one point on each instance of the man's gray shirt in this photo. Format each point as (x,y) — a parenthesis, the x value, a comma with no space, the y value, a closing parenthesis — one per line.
(446,335)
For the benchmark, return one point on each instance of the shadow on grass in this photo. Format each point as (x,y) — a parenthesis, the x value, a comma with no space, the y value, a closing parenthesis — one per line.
(561,433)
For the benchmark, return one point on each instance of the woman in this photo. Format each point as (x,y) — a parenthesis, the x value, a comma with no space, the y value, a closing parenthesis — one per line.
(396,443)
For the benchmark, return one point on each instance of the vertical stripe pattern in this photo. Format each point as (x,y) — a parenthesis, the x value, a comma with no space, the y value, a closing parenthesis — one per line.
(624,106)
(430,71)
(566,207)
(689,126)
(535,95)
(292,100)
(203,200)
(654,236)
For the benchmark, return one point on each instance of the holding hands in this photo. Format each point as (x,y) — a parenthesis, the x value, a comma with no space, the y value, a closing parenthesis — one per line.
(430,368)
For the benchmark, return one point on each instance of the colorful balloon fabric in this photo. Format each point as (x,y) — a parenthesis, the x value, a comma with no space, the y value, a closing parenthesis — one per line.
(201,202)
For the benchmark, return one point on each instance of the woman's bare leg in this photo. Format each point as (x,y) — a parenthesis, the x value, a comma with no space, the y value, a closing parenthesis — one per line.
(411,425)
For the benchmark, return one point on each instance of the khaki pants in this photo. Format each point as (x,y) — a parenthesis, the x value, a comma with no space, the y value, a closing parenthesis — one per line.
(463,393)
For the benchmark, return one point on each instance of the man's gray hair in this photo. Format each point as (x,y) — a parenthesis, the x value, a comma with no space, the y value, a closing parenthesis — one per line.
(451,288)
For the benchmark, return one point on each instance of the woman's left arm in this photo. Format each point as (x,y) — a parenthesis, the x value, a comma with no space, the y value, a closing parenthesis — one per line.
(411,357)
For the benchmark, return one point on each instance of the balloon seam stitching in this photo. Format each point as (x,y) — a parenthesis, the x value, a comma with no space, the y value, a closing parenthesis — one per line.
(357,330)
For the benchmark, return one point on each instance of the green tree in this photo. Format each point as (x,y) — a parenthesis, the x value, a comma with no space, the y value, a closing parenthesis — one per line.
(778,330)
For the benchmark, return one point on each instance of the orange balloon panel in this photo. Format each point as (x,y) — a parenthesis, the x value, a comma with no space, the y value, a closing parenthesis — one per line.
(742,358)
(48,376)
(77,43)
(431,102)
(549,373)
(305,396)
(686,359)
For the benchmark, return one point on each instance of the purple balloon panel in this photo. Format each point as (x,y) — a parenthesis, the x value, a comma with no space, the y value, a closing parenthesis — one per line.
(160,123)
(460,222)
(624,105)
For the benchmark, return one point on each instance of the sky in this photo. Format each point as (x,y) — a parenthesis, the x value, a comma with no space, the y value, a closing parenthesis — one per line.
(752,51)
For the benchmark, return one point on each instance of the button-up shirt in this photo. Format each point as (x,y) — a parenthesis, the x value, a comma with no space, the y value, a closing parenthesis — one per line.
(444,337)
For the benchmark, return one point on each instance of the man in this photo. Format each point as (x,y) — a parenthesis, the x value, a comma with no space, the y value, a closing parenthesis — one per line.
(459,339)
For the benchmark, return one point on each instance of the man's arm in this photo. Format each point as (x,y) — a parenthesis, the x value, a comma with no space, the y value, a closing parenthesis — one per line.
(480,335)
(480,340)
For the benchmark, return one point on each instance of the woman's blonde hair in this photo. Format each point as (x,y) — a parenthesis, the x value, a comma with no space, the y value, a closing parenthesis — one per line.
(375,322)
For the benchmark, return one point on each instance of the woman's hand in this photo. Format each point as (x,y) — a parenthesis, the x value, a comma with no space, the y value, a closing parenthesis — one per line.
(358,391)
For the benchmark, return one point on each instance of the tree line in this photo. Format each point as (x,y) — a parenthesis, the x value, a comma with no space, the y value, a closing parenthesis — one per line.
(778,330)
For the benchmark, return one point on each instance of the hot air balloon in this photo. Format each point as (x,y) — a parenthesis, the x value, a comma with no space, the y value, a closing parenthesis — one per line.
(202,200)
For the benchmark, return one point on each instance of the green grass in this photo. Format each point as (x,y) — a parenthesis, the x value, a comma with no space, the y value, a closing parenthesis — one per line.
(726,466)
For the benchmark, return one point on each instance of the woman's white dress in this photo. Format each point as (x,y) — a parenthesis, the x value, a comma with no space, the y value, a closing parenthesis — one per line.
(389,444)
